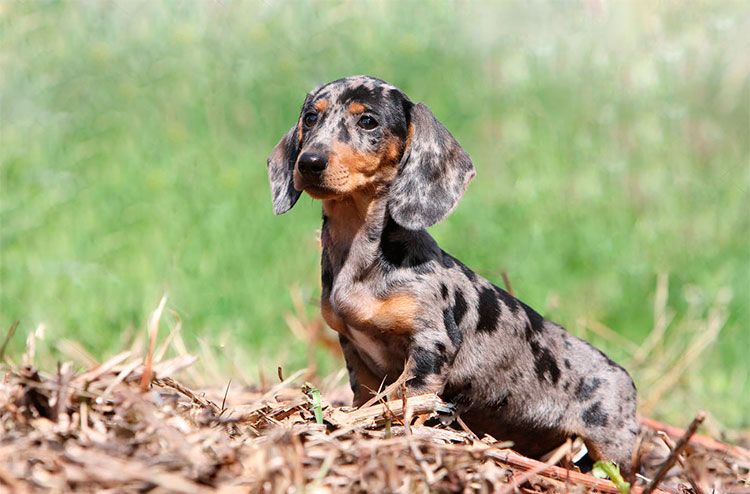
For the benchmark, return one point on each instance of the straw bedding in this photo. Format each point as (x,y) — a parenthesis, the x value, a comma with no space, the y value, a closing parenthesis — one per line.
(128,425)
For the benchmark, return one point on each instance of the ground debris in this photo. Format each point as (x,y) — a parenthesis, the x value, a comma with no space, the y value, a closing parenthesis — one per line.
(98,430)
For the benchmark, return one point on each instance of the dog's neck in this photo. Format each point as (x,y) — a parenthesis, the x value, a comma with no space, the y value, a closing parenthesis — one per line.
(353,224)
(345,217)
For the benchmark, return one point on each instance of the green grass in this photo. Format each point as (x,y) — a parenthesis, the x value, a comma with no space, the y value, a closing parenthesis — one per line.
(611,145)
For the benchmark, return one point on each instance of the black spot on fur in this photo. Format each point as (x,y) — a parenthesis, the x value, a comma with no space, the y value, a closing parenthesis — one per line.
(451,327)
(443,291)
(361,94)
(416,381)
(447,260)
(546,365)
(595,416)
(426,362)
(489,311)
(567,364)
(535,348)
(529,332)
(460,395)
(585,390)
(536,321)
(401,248)
(471,275)
(393,250)
(508,299)
(459,307)
(323,93)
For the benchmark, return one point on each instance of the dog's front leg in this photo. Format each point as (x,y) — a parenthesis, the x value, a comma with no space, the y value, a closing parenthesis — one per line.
(363,382)
(429,359)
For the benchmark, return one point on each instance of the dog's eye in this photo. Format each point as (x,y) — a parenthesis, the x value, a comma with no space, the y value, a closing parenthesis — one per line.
(367,122)
(310,119)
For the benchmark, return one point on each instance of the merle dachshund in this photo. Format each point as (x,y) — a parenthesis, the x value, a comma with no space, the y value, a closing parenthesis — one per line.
(385,169)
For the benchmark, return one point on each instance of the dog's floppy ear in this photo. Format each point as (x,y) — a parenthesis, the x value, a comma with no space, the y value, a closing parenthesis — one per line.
(281,170)
(433,173)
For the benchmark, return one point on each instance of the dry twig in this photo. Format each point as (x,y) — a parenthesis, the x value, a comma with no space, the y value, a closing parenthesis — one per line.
(672,458)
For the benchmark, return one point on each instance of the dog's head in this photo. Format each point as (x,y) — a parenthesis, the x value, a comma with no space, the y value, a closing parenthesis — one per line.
(360,135)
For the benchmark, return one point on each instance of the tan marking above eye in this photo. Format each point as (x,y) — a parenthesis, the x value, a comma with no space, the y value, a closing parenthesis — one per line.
(321,105)
(356,108)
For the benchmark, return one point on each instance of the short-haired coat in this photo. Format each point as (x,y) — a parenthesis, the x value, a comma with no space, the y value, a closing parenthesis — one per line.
(385,169)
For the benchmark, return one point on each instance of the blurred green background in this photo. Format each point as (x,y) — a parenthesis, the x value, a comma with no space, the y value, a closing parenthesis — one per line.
(610,139)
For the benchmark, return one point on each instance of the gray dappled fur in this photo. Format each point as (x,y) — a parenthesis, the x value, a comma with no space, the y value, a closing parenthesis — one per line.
(280,170)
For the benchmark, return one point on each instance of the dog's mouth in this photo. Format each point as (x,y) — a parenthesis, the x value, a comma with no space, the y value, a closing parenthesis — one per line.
(312,186)
(319,192)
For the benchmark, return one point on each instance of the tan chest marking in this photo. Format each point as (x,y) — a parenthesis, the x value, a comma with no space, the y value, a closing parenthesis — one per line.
(395,314)
(331,318)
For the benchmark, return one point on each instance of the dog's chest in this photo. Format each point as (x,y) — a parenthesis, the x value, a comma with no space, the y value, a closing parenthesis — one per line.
(384,354)
(377,326)
(372,326)
(361,294)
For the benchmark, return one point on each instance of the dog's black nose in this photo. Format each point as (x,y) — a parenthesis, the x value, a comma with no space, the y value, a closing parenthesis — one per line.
(312,163)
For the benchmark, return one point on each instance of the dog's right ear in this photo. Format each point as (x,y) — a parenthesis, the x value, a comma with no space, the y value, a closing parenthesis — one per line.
(281,172)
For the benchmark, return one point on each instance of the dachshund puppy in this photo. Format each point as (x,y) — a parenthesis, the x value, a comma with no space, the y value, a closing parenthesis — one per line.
(385,169)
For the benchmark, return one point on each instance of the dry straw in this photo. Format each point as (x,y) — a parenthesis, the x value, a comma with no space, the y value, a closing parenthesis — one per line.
(131,424)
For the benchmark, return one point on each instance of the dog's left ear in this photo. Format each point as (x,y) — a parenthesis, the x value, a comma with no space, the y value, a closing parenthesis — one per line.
(281,170)
(433,174)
